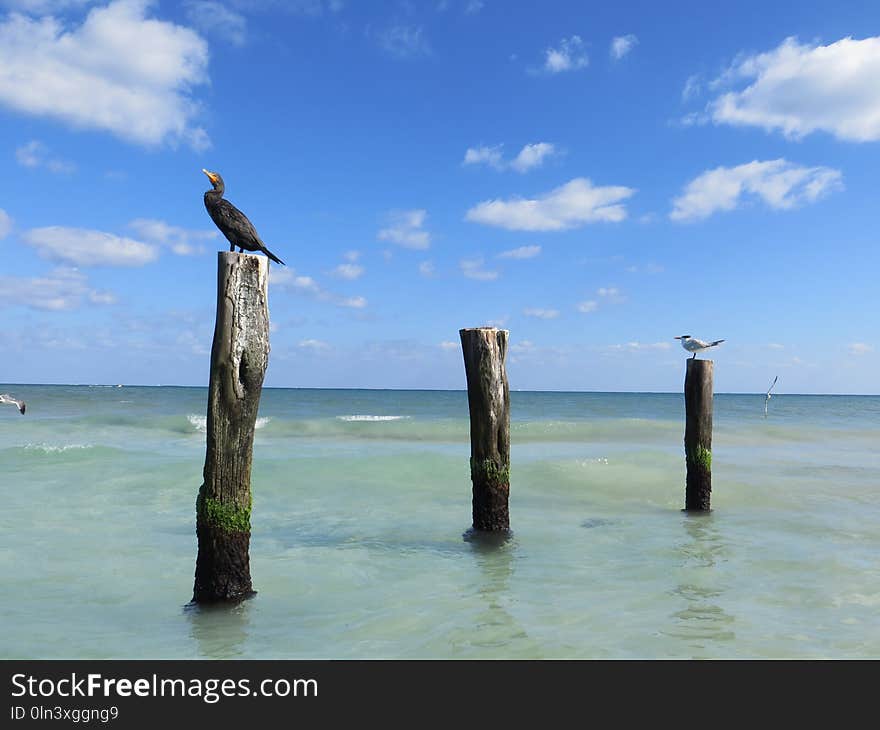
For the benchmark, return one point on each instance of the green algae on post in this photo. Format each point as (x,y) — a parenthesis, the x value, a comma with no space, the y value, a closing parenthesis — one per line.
(229,518)
(698,398)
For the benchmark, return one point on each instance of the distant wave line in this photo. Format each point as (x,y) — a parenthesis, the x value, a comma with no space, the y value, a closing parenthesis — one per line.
(200,423)
(368,417)
(51,449)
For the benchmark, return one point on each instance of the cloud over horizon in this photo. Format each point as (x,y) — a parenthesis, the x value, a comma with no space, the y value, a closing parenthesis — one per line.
(63,289)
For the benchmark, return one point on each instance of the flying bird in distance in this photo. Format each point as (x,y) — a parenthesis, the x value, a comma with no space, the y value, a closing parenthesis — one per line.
(6,398)
(692,344)
(768,396)
(233,224)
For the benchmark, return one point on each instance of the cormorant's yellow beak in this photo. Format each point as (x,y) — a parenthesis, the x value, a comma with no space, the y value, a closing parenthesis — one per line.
(211,176)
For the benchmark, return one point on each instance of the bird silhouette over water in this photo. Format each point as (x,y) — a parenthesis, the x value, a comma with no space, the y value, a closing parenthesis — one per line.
(6,398)
(768,396)
(233,224)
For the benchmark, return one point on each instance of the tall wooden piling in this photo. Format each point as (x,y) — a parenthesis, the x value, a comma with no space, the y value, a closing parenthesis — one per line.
(698,434)
(239,356)
(485,350)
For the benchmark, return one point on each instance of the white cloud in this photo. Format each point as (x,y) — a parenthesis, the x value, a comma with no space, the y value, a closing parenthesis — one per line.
(351,256)
(404,41)
(348,271)
(43,6)
(483,155)
(118,71)
(523,252)
(473,6)
(353,302)
(62,289)
(314,345)
(473,269)
(216,19)
(587,306)
(306,284)
(36,154)
(532,155)
(571,205)
(799,89)
(84,247)
(541,313)
(529,157)
(288,279)
(611,293)
(5,224)
(426,268)
(692,87)
(182,241)
(649,268)
(780,184)
(449,345)
(622,45)
(523,346)
(570,55)
(859,348)
(280,277)
(640,346)
(405,229)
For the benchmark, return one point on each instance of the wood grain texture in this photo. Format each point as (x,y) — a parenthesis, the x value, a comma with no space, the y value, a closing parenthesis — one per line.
(698,401)
(239,357)
(485,352)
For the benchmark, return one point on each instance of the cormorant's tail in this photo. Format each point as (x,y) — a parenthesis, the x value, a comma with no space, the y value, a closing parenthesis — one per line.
(717,342)
(273,256)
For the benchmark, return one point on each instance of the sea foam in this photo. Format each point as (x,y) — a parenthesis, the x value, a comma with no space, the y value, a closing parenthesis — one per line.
(53,449)
(200,423)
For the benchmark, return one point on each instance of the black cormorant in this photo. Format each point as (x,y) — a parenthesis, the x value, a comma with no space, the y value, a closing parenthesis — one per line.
(233,224)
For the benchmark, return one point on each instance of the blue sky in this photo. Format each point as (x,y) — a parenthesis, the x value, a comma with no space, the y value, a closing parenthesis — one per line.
(595,179)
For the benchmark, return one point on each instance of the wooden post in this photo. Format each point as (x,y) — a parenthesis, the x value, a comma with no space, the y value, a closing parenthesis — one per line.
(698,433)
(239,357)
(485,349)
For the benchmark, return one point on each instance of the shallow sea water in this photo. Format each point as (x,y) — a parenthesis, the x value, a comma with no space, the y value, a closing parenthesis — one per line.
(362,502)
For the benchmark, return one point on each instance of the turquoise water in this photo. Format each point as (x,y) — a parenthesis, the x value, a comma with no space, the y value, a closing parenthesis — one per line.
(361,499)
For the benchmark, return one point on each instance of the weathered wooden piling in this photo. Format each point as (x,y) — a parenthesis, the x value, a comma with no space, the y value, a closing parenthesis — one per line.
(698,434)
(239,356)
(485,350)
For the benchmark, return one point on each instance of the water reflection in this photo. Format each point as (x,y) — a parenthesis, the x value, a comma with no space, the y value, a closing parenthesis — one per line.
(493,627)
(702,622)
(220,630)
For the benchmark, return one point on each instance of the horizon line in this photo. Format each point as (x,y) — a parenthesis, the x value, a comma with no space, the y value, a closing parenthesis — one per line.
(422,390)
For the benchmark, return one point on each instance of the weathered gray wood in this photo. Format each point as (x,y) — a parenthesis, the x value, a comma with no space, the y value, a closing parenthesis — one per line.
(485,350)
(239,356)
(698,433)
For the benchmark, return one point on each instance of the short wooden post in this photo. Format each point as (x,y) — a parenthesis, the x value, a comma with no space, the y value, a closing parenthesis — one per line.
(698,433)
(239,356)
(485,349)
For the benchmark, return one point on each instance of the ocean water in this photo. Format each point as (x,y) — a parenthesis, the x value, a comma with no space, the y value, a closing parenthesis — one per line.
(361,501)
